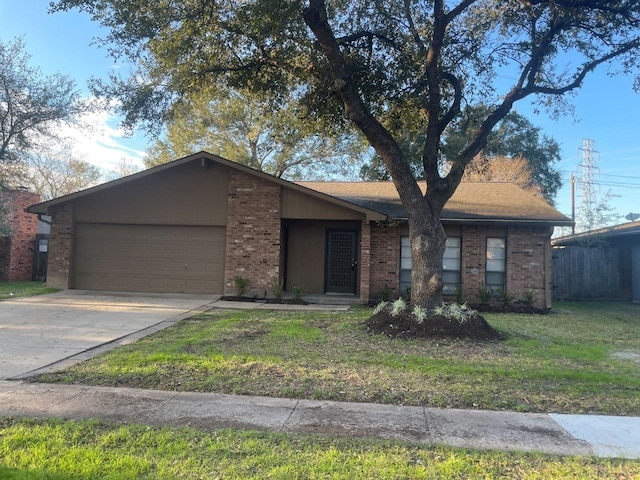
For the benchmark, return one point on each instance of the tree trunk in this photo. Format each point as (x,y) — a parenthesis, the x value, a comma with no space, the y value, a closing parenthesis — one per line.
(428,243)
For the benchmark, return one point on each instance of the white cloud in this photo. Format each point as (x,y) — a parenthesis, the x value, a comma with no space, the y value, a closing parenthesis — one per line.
(99,141)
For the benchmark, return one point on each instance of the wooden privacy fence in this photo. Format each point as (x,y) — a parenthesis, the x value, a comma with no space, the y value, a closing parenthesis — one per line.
(591,273)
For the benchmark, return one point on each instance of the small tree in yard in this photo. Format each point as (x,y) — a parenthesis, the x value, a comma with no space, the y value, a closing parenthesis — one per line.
(391,69)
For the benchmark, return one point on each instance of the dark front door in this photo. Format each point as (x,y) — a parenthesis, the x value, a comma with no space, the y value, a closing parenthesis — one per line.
(342,261)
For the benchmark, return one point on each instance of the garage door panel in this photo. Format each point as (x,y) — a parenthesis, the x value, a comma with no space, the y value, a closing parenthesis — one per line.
(149,258)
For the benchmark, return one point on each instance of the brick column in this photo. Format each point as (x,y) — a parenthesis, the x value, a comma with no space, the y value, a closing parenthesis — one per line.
(253,234)
(60,247)
(365,261)
(473,261)
(385,261)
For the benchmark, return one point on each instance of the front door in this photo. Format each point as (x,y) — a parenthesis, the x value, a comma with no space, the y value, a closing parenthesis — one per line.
(342,261)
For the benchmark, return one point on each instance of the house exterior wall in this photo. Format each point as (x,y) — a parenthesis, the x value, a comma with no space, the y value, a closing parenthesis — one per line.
(306,252)
(189,194)
(528,260)
(253,234)
(385,261)
(16,263)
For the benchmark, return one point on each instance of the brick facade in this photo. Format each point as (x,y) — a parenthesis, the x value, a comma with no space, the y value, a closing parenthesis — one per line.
(529,268)
(528,261)
(365,262)
(385,261)
(16,259)
(60,247)
(253,234)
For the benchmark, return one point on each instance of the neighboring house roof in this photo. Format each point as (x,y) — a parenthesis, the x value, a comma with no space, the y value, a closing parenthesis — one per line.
(472,201)
(624,230)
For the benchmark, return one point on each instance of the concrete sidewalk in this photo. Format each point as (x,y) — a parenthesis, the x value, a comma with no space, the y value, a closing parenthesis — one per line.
(587,435)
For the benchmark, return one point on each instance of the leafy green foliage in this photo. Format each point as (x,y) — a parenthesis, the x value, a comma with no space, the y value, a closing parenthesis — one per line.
(242,284)
(247,128)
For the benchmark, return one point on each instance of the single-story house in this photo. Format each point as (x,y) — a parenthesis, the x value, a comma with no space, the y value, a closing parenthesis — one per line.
(196,224)
(598,264)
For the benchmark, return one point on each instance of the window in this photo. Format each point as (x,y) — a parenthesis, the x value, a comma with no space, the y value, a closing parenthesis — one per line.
(496,263)
(450,264)
(405,264)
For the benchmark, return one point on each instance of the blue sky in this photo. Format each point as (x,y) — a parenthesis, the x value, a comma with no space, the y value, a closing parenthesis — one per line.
(606,109)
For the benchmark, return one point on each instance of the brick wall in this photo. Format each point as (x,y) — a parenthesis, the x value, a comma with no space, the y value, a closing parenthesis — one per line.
(473,251)
(60,247)
(253,234)
(528,261)
(385,261)
(18,261)
(528,269)
(365,261)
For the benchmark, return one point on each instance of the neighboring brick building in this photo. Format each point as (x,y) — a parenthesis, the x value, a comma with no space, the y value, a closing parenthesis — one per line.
(18,236)
(197,224)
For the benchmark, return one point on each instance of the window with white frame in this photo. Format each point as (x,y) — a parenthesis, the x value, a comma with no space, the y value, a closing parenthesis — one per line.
(451,262)
(496,266)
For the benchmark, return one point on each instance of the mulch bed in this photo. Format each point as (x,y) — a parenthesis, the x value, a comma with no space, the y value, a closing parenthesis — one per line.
(436,326)
(275,301)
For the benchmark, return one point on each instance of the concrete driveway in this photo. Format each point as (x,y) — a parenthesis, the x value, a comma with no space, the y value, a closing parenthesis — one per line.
(36,332)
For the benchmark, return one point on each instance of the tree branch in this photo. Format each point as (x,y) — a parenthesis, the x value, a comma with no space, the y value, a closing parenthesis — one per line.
(315,16)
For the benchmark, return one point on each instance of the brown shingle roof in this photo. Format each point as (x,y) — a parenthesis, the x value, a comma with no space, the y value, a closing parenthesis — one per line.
(477,201)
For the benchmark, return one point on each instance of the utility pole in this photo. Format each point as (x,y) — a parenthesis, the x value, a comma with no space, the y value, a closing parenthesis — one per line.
(588,171)
(573,204)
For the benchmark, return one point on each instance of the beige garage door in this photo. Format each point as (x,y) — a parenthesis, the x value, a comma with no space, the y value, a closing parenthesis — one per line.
(149,258)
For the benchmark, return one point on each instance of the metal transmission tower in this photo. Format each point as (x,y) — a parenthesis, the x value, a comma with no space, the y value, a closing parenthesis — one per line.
(588,172)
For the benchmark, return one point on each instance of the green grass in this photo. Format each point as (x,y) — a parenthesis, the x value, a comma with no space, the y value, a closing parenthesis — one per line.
(562,362)
(56,450)
(23,289)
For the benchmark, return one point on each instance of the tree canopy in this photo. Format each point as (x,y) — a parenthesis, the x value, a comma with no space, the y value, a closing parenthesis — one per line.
(384,67)
(31,104)
(514,137)
(246,128)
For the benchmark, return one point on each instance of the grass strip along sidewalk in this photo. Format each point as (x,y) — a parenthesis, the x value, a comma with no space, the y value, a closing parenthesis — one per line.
(56,450)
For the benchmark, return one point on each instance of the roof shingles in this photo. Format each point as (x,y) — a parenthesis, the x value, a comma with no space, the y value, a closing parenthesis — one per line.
(471,201)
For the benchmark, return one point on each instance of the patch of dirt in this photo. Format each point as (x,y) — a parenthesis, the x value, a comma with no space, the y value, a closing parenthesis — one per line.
(632,355)
(277,301)
(435,326)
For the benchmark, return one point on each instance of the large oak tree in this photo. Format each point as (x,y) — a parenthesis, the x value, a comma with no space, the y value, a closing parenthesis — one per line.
(383,66)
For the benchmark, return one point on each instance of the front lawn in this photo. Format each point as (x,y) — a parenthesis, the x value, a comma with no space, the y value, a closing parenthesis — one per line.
(583,358)
(56,450)
(23,289)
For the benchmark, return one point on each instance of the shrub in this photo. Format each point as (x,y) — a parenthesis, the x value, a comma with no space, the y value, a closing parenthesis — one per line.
(505,297)
(385,295)
(276,288)
(528,299)
(484,294)
(242,285)
(298,293)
